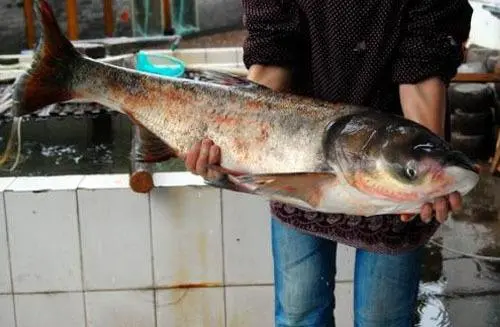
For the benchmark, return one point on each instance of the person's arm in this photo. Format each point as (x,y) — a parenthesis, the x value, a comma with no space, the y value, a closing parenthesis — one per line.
(274,77)
(425,103)
(271,48)
(429,55)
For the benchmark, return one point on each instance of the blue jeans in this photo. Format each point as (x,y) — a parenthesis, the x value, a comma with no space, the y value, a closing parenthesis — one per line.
(385,286)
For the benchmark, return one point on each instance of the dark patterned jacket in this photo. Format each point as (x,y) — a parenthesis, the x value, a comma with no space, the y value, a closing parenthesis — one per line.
(358,52)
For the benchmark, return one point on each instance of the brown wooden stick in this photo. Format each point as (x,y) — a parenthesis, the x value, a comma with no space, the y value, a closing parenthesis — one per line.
(477,78)
(167,19)
(29,23)
(108,18)
(140,176)
(72,13)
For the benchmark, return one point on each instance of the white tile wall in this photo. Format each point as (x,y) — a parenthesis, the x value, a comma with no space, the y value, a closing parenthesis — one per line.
(45,183)
(5,283)
(44,241)
(247,239)
(189,227)
(202,307)
(191,56)
(344,313)
(6,311)
(251,306)
(60,309)
(187,237)
(222,55)
(120,309)
(116,243)
(345,263)
(239,57)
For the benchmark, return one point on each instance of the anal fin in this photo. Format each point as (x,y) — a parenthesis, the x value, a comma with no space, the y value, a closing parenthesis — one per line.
(307,187)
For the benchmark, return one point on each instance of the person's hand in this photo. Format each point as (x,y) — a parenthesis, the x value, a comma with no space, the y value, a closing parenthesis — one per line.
(202,153)
(441,207)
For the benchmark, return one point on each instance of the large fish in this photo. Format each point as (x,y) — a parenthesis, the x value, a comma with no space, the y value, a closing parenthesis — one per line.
(322,156)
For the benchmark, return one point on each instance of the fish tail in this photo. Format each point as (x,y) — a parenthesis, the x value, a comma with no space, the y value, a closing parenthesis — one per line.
(49,79)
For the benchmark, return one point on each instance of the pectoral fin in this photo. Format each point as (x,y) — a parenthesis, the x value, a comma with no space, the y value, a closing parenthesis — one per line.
(307,187)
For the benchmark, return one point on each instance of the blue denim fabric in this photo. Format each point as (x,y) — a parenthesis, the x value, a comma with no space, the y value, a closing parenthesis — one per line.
(385,286)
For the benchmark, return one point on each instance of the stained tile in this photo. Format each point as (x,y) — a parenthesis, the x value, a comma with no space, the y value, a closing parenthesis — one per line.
(120,309)
(187,241)
(5,284)
(6,311)
(250,306)
(247,239)
(44,241)
(116,243)
(194,307)
(60,309)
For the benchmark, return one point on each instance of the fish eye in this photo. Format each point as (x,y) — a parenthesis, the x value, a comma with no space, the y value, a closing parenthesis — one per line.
(411,170)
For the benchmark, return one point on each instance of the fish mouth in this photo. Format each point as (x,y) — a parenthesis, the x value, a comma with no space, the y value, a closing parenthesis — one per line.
(464,172)
(458,159)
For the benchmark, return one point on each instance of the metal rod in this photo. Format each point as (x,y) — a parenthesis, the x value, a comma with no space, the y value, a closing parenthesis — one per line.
(29,23)
(108,18)
(72,12)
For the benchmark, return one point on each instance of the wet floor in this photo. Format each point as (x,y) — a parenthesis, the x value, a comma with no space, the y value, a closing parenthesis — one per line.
(457,290)
(461,284)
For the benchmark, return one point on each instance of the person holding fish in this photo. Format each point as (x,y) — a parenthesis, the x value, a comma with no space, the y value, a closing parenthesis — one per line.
(364,145)
(396,56)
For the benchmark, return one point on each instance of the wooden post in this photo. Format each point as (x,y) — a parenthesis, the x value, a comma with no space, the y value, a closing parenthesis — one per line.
(140,173)
(476,78)
(29,23)
(108,18)
(167,19)
(72,13)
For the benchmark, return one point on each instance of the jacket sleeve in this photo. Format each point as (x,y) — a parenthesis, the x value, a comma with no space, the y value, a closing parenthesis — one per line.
(432,40)
(273,28)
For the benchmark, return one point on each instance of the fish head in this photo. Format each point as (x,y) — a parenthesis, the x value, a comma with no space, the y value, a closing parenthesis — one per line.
(397,160)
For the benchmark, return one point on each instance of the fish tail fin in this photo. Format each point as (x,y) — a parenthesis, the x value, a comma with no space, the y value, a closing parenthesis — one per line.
(49,79)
